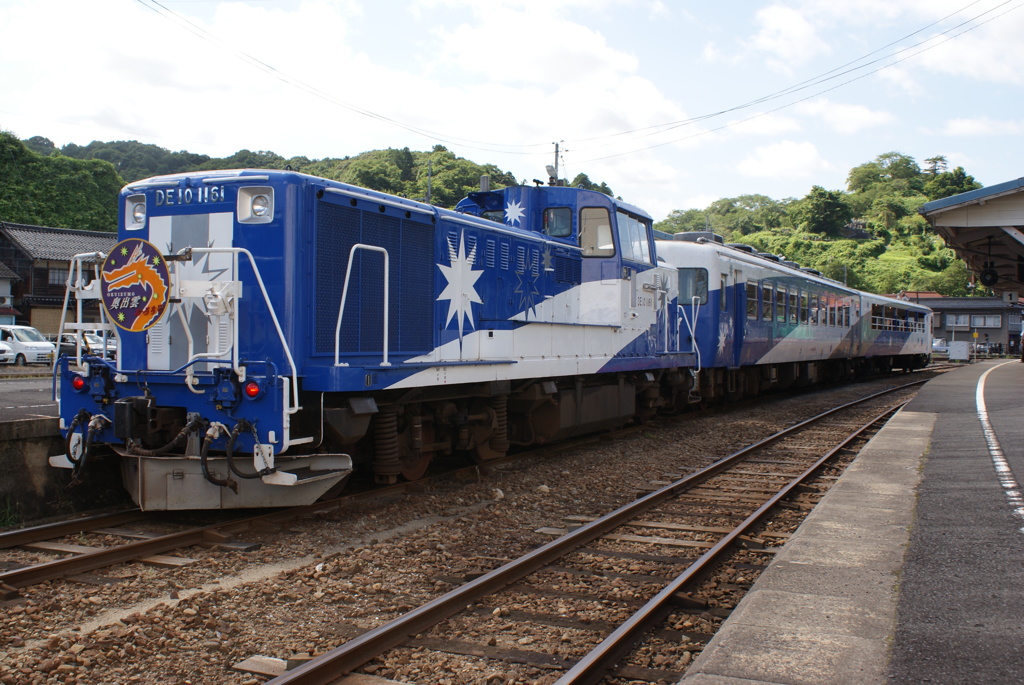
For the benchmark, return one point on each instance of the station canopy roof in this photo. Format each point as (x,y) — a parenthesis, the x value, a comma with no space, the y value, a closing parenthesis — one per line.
(986,229)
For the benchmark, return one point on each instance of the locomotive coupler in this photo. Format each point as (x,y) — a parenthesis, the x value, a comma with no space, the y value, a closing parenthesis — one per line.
(95,426)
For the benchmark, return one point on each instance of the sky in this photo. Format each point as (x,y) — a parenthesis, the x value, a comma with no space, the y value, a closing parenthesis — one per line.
(672,103)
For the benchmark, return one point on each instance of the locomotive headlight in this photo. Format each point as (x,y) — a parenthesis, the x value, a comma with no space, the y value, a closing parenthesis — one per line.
(260,205)
(134,212)
(255,205)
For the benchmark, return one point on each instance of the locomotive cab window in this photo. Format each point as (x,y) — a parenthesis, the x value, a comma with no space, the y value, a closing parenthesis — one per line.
(634,238)
(558,222)
(693,283)
(596,232)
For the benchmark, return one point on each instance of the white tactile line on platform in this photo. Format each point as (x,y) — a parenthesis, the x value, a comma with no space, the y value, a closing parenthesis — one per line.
(995,450)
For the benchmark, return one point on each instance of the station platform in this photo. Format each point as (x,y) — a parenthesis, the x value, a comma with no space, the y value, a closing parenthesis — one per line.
(911,569)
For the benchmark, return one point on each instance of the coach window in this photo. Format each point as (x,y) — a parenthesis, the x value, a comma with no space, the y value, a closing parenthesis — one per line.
(596,232)
(766,301)
(752,290)
(803,307)
(693,283)
(813,313)
(794,300)
(780,304)
(723,299)
(558,222)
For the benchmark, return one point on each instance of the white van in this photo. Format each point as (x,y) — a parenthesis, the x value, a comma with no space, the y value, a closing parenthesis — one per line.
(28,345)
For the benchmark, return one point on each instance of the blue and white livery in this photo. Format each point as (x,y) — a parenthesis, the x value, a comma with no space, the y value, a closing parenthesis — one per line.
(277,330)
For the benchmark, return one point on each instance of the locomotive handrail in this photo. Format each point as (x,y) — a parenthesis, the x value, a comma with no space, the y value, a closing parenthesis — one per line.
(294,408)
(74,284)
(344,296)
(695,303)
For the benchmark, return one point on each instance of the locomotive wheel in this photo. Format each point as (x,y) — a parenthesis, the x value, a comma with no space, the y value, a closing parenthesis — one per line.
(413,468)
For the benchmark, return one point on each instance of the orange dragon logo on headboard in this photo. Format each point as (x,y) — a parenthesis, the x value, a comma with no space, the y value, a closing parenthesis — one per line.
(135,284)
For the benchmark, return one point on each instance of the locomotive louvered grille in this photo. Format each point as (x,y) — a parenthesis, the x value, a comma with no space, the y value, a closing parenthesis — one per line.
(567,270)
(410,247)
(489,259)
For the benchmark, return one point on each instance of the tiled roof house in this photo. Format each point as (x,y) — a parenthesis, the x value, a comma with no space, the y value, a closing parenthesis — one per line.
(39,259)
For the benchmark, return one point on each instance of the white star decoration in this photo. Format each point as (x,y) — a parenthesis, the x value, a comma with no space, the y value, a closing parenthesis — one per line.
(513,212)
(461,291)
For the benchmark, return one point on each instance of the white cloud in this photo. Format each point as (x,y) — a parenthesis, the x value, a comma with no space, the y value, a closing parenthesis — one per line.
(983,126)
(787,159)
(787,37)
(765,125)
(540,47)
(844,118)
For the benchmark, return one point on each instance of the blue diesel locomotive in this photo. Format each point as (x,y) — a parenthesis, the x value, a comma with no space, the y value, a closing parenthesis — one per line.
(276,330)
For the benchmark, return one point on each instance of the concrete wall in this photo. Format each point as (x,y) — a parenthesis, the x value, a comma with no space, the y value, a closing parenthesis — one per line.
(31,490)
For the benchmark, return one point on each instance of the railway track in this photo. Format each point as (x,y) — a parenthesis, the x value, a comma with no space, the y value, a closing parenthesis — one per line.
(355,563)
(103,540)
(650,556)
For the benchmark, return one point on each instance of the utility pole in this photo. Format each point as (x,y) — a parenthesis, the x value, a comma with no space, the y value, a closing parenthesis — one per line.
(556,162)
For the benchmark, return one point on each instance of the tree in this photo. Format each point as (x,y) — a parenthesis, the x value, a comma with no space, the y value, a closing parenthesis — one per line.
(40,146)
(823,211)
(935,165)
(376,172)
(888,210)
(949,183)
(55,190)
(583,181)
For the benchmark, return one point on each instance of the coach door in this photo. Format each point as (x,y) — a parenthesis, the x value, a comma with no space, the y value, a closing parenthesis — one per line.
(738,316)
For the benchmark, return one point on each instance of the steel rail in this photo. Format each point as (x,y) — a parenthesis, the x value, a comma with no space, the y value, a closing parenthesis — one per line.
(330,666)
(48,531)
(103,557)
(592,668)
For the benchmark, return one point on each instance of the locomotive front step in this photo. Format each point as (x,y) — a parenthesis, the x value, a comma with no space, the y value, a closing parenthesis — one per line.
(177,482)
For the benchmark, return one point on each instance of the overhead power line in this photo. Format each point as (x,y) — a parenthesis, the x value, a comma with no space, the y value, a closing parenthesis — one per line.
(855,66)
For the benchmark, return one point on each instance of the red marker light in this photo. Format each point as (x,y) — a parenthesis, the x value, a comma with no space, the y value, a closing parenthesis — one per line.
(78,383)
(252,389)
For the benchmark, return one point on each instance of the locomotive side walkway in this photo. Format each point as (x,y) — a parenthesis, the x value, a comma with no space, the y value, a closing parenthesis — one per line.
(911,568)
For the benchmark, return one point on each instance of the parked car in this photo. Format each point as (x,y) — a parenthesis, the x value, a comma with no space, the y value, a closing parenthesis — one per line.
(106,349)
(91,345)
(104,335)
(6,354)
(28,345)
(940,346)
